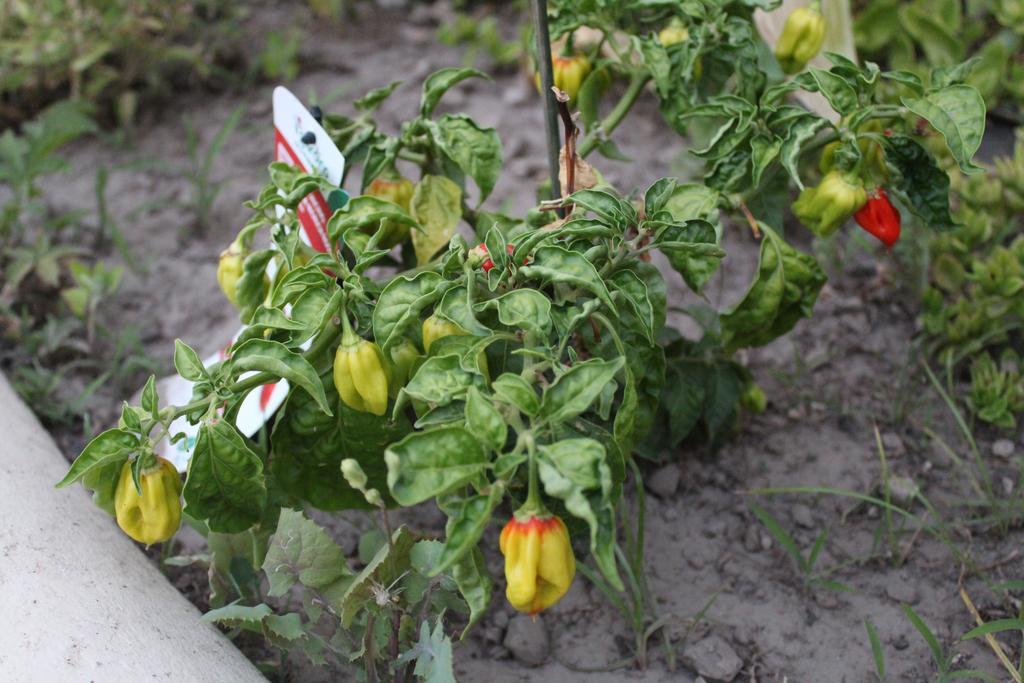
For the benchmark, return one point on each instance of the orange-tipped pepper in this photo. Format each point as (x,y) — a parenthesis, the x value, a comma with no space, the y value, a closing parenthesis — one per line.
(539,564)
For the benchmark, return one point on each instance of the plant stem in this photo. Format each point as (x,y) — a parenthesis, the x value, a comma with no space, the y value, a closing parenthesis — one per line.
(540,28)
(615,116)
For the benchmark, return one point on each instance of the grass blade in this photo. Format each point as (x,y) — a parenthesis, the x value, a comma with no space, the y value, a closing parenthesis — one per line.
(781,535)
(876,649)
(929,637)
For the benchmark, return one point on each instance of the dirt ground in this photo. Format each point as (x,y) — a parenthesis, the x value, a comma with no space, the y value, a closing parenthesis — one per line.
(829,382)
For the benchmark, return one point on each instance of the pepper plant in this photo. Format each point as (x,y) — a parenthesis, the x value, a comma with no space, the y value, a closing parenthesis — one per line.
(440,353)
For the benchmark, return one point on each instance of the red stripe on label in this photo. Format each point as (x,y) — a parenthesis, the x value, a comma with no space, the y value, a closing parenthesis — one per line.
(312,211)
(265,393)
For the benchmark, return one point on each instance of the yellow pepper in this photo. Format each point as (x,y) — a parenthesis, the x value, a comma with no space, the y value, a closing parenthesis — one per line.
(404,356)
(153,515)
(825,207)
(802,37)
(569,72)
(393,188)
(229,270)
(676,33)
(360,375)
(539,564)
(435,328)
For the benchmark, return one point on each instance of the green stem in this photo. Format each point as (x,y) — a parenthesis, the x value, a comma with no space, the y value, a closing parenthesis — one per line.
(415,157)
(615,116)
(533,504)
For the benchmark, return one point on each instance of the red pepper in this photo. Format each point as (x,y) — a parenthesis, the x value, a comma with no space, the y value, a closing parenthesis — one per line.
(879,217)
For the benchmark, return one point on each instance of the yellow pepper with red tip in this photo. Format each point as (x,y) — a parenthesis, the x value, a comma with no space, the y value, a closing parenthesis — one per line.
(393,188)
(539,564)
(361,376)
(569,73)
(802,37)
(153,515)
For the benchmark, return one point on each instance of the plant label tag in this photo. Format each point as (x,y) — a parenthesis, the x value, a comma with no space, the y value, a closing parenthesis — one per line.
(300,140)
(257,407)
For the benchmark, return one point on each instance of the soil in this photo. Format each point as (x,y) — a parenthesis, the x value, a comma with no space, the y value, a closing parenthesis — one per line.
(851,367)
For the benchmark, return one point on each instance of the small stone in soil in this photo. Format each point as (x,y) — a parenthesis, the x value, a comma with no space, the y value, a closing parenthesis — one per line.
(527,639)
(826,599)
(713,658)
(664,481)
(900,642)
(903,490)
(802,516)
(893,445)
(716,527)
(1002,448)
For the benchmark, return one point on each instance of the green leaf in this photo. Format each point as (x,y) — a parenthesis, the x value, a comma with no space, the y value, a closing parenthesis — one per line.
(432,654)
(605,205)
(279,629)
(300,551)
(958,112)
(475,585)
(798,132)
(373,99)
(876,649)
(263,355)
(995,626)
(438,83)
(426,464)
(940,42)
(919,181)
(400,304)
(575,390)
(484,421)
(251,287)
(390,562)
(437,206)
(102,481)
(929,637)
(440,380)
(692,249)
(365,210)
(455,307)
(309,445)
(783,292)
(522,309)
(107,448)
(225,485)
(516,391)
(658,194)
(475,150)
(150,401)
(188,363)
(556,264)
(839,93)
(630,288)
(570,468)
(467,520)
(233,561)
